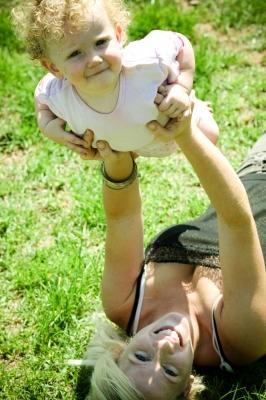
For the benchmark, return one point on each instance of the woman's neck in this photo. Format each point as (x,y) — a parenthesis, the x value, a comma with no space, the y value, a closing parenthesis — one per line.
(167,289)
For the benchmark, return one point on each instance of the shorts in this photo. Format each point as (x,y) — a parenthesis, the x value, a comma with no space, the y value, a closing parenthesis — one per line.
(255,162)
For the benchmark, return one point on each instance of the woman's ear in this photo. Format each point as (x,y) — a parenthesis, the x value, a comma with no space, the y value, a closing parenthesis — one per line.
(51,67)
(188,387)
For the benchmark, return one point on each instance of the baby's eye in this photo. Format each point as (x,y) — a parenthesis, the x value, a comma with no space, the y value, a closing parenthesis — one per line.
(142,356)
(169,370)
(101,42)
(74,54)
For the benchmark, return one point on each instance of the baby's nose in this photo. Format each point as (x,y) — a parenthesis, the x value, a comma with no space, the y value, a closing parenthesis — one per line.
(93,59)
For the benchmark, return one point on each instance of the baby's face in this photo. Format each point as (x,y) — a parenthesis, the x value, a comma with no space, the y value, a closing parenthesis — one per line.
(91,59)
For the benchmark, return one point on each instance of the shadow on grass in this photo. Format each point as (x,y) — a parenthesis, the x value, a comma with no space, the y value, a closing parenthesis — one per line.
(83,383)
(246,383)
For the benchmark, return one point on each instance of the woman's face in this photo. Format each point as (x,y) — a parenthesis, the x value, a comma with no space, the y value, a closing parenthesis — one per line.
(158,359)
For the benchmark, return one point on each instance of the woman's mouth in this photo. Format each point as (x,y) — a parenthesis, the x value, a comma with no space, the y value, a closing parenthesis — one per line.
(171,332)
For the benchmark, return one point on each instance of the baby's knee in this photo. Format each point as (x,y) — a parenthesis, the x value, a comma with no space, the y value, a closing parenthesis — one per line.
(209,127)
(203,117)
(213,131)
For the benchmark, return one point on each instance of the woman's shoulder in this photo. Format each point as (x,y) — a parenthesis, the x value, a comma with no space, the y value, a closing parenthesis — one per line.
(121,314)
(243,340)
(122,310)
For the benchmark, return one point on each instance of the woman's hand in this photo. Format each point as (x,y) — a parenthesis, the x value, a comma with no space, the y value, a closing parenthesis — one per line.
(176,127)
(118,165)
(55,131)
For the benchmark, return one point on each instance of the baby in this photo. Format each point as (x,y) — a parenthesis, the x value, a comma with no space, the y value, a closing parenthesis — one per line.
(95,83)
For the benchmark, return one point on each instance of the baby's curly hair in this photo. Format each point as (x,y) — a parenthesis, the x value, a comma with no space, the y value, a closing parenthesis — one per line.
(38,21)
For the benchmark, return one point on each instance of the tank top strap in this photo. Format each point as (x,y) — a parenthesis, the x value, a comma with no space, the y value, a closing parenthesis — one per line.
(136,309)
(224,364)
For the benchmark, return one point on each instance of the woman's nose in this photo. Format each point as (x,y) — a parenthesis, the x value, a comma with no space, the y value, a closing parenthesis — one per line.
(165,346)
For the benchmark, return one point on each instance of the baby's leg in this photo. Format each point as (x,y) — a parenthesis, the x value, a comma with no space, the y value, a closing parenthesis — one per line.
(202,116)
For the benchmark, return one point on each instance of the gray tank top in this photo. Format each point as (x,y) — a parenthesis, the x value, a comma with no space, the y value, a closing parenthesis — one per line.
(196,243)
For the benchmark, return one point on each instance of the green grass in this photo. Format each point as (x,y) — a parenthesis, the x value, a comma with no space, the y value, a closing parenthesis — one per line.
(51,221)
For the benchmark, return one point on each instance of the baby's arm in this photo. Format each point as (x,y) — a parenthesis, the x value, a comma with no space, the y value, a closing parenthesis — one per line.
(53,128)
(173,99)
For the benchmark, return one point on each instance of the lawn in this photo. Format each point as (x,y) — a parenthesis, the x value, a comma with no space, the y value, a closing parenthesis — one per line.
(51,222)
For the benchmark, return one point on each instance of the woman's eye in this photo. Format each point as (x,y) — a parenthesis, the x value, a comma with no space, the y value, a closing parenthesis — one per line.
(142,356)
(171,371)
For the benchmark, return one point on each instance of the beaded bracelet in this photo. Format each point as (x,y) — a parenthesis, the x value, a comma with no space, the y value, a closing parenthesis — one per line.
(116,185)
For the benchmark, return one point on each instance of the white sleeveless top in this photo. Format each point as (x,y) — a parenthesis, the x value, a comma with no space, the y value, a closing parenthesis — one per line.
(146,64)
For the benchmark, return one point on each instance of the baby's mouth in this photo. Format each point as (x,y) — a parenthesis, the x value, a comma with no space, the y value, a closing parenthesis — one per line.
(95,72)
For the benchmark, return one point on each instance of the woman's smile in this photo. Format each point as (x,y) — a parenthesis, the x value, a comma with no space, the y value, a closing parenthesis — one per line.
(171,334)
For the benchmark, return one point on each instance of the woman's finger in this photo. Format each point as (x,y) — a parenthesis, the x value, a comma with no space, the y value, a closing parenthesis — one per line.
(88,137)
(173,128)
(80,150)
(87,153)
(92,157)
(104,149)
(158,131)
(71,138)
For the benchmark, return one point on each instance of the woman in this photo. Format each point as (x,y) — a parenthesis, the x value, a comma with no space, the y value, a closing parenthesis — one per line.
(197,297)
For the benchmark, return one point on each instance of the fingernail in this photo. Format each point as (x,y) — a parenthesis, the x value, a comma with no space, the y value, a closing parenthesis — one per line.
(100,145)
(152,126)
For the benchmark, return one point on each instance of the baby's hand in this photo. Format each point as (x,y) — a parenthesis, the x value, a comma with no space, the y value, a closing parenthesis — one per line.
(55,131)
(172,100)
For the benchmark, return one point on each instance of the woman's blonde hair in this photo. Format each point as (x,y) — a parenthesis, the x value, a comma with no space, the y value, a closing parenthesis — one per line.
(105,380)
(40,21)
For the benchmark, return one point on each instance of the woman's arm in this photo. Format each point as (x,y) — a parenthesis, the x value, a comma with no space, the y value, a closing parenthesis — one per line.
(243,317)
(124,239)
